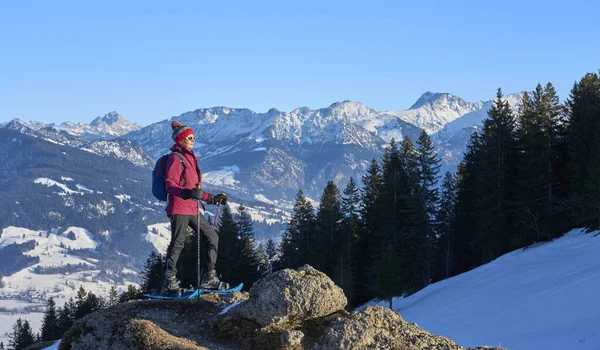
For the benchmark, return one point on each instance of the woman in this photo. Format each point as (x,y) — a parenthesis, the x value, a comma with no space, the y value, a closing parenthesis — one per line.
(183,190)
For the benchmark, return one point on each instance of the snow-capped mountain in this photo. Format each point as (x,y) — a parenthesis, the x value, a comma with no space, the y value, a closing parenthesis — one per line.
(277,153)
(110,125)
(274,154)
(215,128)
(121,149)
(433,111)
(116,147)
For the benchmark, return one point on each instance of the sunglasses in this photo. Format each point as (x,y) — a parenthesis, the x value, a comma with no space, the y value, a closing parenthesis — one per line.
(190,138)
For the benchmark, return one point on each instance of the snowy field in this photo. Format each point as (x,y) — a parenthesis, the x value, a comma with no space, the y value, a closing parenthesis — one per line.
(544,297)
(26,288)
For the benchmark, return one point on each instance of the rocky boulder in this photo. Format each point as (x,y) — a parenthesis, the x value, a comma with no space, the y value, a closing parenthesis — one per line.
(290,309)
(152,324)
(377,327)
(287,298)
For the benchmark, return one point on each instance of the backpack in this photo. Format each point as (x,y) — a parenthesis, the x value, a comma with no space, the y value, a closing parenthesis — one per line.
(159,174)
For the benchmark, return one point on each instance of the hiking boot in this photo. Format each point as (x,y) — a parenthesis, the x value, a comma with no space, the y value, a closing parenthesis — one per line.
(210,280)
(171,287)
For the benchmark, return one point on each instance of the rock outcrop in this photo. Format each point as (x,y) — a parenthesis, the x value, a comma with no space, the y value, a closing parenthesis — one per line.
(290,309)
(377,327)
(287,298)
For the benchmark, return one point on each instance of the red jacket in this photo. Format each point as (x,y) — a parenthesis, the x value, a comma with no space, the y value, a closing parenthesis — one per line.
(175,180)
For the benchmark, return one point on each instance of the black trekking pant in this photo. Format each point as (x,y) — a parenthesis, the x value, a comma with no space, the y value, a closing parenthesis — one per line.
(178,225)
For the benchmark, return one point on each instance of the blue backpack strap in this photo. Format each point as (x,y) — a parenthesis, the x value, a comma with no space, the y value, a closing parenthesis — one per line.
(180,156)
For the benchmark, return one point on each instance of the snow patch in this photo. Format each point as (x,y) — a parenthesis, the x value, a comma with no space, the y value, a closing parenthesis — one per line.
(83,188)
(223,177)
(123,197)
(159,235)
(227,308)
(49,182)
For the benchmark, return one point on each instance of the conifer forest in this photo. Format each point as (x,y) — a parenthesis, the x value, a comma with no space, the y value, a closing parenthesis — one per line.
(528,175)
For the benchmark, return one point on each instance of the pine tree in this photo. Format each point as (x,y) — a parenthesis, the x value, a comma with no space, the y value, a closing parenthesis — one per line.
(49,329)
(498,177)
(22,335)
(66,316)
(286,252)
(530,163)
(113,297)
(1,346)
(464,238)
(153,273)
(445,220)
(554,125)
(271,251)
(263,261)
(411,247)
(132,293)
(80,307)
(350,233)
(368,242)
(390,277)
(301,231)
(388,212)
(93,303)
(428,165)
(539,124)
(351,199)
(584,113)
(86,303)
(247,262)
(229,243)
(327,250)
(393,187)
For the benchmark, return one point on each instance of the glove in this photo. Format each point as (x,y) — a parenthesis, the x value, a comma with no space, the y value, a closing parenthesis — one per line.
(221,198)
(193,193)
(210,200)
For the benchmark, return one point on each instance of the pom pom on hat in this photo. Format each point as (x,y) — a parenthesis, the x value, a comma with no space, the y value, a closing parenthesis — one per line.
(175,124)
(180,131)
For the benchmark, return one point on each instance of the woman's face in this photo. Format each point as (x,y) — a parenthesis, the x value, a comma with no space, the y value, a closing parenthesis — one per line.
(188,142)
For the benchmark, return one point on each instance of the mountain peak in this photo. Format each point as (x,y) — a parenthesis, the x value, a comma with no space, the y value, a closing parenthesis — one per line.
(346,103)
(15,121)
(110,118)
(428,98)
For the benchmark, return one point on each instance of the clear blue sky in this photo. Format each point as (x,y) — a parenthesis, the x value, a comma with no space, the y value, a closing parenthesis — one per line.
(74,60)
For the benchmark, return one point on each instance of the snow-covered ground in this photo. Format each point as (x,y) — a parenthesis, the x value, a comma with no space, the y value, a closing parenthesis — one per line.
(27,289)
(53,346)
(543,297)
(223,177)
(159,235)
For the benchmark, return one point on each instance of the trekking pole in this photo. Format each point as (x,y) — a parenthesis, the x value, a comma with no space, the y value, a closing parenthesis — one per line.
(217,216)
(198,237)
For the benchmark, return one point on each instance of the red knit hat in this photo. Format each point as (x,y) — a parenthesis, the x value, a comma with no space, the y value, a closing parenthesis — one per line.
(180,131)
